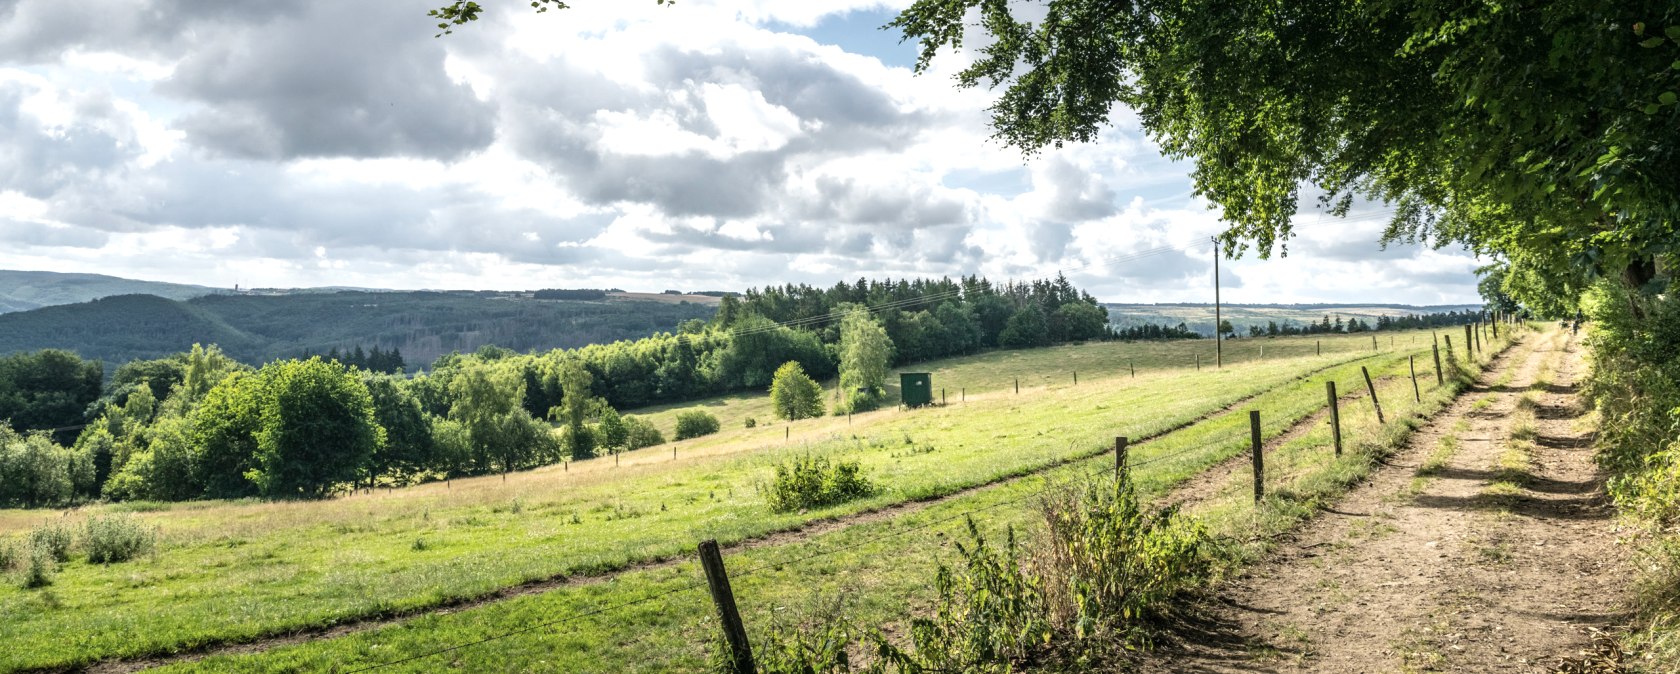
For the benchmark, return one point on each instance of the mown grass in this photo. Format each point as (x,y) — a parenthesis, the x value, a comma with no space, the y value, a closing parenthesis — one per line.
(235,571)
(882,567)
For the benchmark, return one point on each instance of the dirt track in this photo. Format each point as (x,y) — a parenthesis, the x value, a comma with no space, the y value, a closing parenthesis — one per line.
(1501,557)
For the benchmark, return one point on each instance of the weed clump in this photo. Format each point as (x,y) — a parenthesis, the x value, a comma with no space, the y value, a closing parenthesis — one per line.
(117,537)
(811,482)
(40,569)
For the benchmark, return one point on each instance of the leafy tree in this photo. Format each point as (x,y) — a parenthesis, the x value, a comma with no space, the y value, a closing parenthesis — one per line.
(317,431)
(1559,154)
(487,401)
(611,431)
(224,435)
(865,351)
(47,389)
(1078,321)
(409,448)
(1026,329)
(1491,286)
(793,395)
(33,471)
(574,409)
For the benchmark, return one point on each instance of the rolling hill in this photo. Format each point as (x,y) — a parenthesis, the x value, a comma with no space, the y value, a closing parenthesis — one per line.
(25,290)
(255,328)
(1199,317)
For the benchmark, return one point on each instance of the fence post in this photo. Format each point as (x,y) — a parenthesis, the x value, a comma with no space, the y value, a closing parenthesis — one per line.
(717,580)
(673,452)
(1372,388)
(1133,366)
(1198,362)
(1411,361)
(1017,386)
(965,394)
(1076,377)
(1259,460)
(1119,456)
(1318,346)
(1335,416)
(787,432)
(1373,342)
(615,464)
(942,400)
(1440,379)
(1469,346)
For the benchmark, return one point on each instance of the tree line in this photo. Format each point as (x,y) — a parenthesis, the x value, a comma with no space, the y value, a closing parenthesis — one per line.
(200,424)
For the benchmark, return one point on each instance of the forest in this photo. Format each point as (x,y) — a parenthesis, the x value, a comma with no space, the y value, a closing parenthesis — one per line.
(256,328)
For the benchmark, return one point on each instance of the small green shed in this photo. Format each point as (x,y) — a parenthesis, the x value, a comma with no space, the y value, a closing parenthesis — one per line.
(915,388)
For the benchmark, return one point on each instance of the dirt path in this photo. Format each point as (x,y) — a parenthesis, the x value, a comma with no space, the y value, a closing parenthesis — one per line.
(1485,545)
(799,533)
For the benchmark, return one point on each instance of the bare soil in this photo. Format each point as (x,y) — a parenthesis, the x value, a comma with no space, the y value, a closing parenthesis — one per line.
(1466,568)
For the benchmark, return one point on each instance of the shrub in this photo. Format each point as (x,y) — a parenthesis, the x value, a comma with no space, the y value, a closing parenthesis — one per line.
(52,538)
(41,566)
(751,422)
(639,433)
(117,537)
(810,482)
(695,423)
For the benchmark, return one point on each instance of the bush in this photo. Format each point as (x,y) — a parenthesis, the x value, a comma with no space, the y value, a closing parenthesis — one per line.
(695,423)
(751,422)
(810,482)
(639,433)
(52,538)
(40,570)
(117,537)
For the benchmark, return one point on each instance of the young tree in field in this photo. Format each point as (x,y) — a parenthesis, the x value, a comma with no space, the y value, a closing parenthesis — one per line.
(793,395)
(865,351)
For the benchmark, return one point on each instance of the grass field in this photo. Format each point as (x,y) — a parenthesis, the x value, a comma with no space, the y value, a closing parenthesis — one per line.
(660,620)
(236,571)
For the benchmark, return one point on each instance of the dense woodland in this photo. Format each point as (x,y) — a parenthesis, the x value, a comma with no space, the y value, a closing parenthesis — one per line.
(257,328)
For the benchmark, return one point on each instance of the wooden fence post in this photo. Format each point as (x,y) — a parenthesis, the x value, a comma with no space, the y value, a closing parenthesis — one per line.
(1372,389)
(1119,456)
(1411,361)
(673,452)
(1318,346)
(1017,386)
(1335,416)
(1259,456)
(734,633)
(1469,347)
(1076,377)
(1133,366)
(1373,342)
(1198,362)
(1440,379)
(942,400)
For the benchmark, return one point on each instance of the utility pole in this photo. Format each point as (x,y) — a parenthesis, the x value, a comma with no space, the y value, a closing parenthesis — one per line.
(1218,347)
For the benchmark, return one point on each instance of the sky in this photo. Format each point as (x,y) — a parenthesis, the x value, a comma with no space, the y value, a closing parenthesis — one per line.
(709,145)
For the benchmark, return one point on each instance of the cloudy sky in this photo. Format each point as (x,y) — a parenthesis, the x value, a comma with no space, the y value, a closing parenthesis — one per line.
(715,144)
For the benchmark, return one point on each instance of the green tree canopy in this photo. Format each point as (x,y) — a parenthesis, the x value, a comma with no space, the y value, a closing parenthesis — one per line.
(865,351)
(317,431)
(794,395)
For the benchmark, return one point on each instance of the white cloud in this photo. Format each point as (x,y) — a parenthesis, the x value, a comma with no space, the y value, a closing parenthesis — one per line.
(702,145)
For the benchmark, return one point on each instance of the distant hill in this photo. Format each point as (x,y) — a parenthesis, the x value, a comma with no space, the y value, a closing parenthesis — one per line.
(25,290)
(257,328)
(1199,317)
